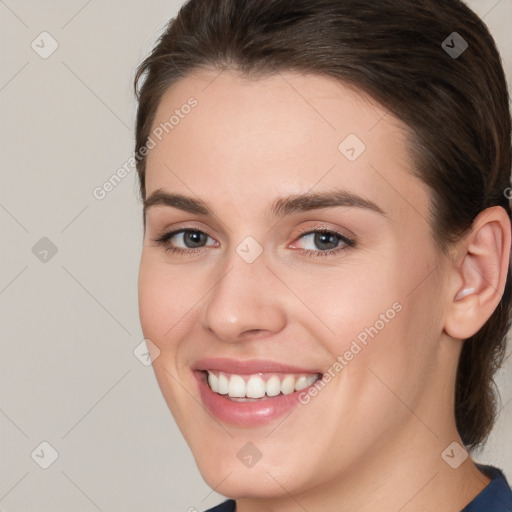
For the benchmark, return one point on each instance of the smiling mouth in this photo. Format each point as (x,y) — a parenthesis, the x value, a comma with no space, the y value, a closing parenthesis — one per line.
(258,386)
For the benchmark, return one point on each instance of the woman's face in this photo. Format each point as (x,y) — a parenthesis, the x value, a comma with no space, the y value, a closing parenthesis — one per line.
(307,252)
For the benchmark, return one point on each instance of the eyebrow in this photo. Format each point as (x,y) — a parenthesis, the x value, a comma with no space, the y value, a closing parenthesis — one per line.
(281,207)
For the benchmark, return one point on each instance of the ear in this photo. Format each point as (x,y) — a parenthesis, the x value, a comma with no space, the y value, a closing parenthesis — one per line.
(479,271)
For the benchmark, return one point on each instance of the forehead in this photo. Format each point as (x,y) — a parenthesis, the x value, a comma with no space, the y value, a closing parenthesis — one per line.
(249,140)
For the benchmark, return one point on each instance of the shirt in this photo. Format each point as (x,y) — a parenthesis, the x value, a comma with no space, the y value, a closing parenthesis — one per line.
(495,497)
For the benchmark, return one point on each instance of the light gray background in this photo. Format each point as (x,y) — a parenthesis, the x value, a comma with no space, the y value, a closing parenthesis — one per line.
(69,325)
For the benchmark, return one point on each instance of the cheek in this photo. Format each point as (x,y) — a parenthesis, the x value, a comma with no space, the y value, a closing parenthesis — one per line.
(355,302)
(167,296)
(391,338)
(381,325)
(152,301)
(165,303)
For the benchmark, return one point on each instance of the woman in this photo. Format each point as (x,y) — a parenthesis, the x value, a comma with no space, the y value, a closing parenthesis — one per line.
(325,273)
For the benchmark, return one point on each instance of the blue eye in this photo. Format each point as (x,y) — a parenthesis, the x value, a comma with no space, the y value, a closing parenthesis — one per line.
(191,238)
(194,240)
(324,240)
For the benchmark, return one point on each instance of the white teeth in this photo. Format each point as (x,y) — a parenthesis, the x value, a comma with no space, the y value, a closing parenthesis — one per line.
(223,384)
(301,383)
(213,381)
(255,387)
(273,387)
(305,382)
(288,385)
(236,387)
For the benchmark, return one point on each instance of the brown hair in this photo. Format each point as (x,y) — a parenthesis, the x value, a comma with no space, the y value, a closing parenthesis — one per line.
(456,107)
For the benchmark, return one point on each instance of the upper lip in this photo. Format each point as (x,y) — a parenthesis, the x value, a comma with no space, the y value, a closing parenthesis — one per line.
(248,366)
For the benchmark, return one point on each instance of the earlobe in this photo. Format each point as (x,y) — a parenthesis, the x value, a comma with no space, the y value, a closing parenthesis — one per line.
(480,273)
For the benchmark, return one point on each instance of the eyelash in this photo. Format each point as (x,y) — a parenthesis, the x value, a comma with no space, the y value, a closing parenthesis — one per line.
(349,243)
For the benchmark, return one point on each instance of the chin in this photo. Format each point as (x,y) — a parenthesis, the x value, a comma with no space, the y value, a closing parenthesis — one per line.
(266,479)
(243,483)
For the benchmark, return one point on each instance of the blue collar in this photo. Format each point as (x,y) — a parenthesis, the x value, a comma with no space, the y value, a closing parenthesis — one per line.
(495,497)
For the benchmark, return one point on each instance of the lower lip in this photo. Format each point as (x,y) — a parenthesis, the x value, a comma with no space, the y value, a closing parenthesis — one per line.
(246,414)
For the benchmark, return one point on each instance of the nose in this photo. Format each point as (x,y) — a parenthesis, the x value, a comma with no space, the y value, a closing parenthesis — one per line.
(245,301)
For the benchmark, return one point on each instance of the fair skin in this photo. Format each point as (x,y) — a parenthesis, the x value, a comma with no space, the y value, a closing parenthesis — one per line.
(372,439)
